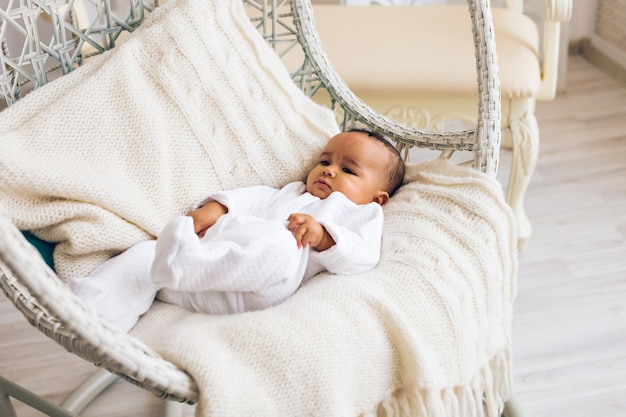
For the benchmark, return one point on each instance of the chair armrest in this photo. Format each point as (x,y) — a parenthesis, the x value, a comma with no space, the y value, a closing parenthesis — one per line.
(557,11)
(515,5)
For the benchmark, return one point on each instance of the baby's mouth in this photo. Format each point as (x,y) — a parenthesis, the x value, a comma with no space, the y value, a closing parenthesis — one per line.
(322,184)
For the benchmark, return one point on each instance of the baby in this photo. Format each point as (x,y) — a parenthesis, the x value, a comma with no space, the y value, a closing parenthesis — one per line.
(251,248)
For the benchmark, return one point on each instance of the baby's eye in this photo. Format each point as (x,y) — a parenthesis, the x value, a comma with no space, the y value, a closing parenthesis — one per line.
(325,163)
(348,171)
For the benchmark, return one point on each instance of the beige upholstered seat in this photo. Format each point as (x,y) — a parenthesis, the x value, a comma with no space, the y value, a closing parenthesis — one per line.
(435,81)
(435,66)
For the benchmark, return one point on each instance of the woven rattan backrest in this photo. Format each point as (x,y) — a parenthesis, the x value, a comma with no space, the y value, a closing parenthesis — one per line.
(483,141)
(42,40)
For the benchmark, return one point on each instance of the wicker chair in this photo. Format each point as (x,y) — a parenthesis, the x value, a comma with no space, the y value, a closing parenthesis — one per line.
(45,301)
(430,89)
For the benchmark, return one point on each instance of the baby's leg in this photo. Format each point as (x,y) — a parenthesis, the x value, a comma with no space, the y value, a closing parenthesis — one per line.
(248,264)
(120,290)
(211,302)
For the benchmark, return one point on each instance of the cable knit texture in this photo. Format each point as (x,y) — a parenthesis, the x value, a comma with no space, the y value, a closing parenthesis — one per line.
(191,103)
(194,102)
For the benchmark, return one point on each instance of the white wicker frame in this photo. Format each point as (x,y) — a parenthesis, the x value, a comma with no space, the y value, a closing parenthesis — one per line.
(37,292)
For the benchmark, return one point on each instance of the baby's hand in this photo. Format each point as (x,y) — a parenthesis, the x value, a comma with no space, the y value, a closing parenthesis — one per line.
(206,216)
(309,231)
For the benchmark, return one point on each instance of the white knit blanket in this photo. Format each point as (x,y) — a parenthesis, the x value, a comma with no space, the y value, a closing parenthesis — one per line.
(192,103)
(195,102)
(426,333)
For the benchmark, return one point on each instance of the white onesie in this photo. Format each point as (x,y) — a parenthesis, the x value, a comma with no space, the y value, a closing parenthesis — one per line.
(248,260)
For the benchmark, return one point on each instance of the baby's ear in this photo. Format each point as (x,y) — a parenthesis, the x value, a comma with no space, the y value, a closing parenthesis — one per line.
(381,197)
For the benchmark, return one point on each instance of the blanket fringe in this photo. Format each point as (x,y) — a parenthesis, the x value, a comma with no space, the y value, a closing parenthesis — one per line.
(484,396)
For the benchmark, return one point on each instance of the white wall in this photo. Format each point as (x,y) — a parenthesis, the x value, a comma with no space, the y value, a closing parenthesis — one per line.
(581,25)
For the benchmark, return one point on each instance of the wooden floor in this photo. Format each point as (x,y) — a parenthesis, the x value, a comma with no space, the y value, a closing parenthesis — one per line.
(570,321)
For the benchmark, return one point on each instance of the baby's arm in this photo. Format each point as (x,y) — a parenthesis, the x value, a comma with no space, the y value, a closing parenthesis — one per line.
(206,216)
(309,231)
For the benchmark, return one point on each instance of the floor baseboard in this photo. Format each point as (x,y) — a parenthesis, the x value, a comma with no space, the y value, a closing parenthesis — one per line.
(599,59)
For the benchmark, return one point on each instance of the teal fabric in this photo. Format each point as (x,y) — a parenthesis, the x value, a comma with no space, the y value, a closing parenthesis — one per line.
(46,249)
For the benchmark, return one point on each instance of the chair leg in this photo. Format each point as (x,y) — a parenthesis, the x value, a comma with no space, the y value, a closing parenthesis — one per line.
(172,409)
(525,141)
(76,402)
(88,390)
(11,389)
(6,408)
(513,408)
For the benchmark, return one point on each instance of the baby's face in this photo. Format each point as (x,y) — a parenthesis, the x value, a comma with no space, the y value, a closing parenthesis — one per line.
(353,164)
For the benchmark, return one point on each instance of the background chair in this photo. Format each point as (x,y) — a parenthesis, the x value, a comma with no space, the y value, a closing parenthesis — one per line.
(46,302)
(414,65)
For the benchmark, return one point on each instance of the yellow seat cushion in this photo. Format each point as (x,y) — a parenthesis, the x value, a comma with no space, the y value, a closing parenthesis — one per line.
(427,50)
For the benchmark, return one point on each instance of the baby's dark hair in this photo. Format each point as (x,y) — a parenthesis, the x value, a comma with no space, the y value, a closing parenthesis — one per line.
(395,170)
